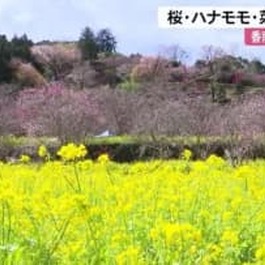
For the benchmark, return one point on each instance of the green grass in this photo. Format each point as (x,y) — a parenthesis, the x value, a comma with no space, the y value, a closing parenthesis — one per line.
(123,139)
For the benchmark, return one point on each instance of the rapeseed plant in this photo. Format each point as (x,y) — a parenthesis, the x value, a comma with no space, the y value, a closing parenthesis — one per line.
(24,159)
(78,211)
(186,154)
(71,152)
(43,152)
(260,253)
(103,158)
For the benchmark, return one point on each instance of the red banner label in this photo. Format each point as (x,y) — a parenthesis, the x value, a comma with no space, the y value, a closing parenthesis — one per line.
(255,36)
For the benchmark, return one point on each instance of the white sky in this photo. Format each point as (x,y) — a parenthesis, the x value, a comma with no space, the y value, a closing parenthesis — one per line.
(134,23)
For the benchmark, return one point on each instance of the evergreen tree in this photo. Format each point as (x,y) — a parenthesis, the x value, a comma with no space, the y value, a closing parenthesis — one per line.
(88,45)
(21,48)
(106,41)
(5,57)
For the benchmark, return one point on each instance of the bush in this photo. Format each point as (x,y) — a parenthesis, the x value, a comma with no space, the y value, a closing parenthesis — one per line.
(256,66)
(129,85)
(26,75)
(177,74)
(254,80)
(247,80)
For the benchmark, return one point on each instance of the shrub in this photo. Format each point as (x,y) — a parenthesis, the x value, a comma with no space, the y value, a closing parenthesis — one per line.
(25,74)
(177,74)
(129,85)
(252,79)
(256,66)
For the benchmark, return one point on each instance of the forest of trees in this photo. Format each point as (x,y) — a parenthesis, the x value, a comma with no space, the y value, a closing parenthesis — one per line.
(19,48)
(73,89)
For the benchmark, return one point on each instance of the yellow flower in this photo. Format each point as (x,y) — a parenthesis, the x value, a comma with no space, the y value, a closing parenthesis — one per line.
(24,159)
(213,255)
(186,154)
(72,151)
(214,160)
(230,237)
(227,215)
(130,256)
(244,171)
(260,253)
(104,158)
(173,233)
(193,250)
(43,152)
(85,165)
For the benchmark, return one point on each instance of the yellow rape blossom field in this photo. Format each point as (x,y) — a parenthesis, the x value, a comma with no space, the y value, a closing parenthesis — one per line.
(77,211)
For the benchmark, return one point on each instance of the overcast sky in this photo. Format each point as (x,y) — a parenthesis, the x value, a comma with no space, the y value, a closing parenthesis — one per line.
(133,22)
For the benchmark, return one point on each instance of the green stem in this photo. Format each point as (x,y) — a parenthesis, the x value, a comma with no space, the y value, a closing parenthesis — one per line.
(3,224)
(77,178)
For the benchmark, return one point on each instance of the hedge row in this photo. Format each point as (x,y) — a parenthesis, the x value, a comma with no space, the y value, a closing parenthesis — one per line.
(129,151)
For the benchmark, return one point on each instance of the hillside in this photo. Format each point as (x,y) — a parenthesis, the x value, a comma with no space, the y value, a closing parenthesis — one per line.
(65,90)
